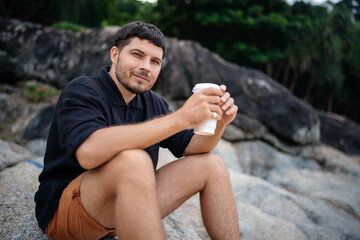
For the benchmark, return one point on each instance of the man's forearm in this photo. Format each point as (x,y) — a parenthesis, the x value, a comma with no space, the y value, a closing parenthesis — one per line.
(103,144)
(204,144)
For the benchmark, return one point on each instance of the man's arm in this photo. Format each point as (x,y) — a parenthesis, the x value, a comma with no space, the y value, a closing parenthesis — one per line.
(104,144)
(204,144)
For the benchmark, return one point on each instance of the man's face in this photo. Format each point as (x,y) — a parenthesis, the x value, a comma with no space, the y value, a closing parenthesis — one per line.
(138,65)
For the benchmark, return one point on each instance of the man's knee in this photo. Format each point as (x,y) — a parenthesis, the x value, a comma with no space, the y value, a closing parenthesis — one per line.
(132,167)
(216,165)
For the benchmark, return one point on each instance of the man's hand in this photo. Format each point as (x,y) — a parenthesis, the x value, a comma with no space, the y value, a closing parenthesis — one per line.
(201,105)
(228,107)
(199,108)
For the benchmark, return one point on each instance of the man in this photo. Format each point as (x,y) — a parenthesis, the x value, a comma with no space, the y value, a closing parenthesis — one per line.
(99,179)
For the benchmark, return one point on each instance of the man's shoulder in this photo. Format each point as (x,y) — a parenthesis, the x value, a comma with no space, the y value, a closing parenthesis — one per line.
(82,84)
(81,81)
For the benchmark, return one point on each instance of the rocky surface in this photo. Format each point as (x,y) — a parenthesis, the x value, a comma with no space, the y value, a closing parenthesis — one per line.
(263,103)
(278,196)
(11,154)
(287,183)
(339,132)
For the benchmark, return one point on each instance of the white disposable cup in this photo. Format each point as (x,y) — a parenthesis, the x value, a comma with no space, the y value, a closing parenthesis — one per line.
(208,127)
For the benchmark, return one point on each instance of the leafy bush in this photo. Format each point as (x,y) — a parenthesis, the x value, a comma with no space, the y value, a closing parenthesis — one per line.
(35,92)
(68,26)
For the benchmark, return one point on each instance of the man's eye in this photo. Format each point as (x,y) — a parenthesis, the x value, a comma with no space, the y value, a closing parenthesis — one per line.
(156,62)
(136,54)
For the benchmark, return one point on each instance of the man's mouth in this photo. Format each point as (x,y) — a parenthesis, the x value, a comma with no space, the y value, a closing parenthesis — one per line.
(141,78)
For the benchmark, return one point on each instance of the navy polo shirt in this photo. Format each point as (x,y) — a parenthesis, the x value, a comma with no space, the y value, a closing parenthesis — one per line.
(85,105)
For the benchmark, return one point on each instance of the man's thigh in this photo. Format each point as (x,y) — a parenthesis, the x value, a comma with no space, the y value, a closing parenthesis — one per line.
(100,186)
(179,180)
(71,221)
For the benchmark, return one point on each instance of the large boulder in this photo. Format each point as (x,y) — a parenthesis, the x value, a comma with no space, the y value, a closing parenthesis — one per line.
(340,133)
(57,56)
(256,95)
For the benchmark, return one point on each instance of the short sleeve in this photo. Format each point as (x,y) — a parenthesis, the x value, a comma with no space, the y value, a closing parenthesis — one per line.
(177,143)
(80,113)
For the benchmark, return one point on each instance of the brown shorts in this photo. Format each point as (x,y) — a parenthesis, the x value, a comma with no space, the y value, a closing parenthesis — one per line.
(71,221)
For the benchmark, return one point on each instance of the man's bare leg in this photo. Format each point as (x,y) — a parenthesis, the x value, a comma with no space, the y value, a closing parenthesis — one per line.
(207,174)
(121,194)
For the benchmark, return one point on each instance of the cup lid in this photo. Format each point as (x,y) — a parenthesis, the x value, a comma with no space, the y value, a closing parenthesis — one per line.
(201,86)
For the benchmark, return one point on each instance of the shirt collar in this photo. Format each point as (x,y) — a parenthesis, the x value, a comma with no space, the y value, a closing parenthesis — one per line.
(114,92)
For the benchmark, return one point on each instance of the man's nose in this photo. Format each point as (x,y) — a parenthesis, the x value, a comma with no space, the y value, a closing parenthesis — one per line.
(145,65)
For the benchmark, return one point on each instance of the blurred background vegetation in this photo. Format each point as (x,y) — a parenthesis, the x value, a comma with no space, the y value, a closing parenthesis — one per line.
(313,50)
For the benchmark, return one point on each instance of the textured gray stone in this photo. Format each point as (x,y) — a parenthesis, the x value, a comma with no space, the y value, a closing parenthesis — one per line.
(37,147)
(21,120)
(340,133)
(259,159)
(313,217)
(17,208)
(296,199)
(11,154)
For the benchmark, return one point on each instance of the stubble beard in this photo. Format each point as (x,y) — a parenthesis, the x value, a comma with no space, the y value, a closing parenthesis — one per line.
(135,89)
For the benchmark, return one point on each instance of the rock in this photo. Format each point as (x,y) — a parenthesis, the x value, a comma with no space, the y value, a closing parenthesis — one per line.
(323,185)
(259,159)
(26,53)
(37,147)
(326,194)
(339,132)
(39,125)
(21,120)
(287,197)
(17,207)
(291,215)
(56,56)
(11,154)
(244,128)
(256,95)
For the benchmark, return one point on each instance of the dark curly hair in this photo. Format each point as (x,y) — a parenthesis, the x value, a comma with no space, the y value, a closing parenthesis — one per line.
(141,30)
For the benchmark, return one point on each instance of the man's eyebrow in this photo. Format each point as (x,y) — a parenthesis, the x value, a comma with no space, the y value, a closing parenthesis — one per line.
(138,50)
(142,52)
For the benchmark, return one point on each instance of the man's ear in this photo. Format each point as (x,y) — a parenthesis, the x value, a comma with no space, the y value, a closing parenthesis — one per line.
(114,54)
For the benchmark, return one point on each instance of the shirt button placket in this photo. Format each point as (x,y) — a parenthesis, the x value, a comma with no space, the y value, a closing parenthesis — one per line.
(127,114)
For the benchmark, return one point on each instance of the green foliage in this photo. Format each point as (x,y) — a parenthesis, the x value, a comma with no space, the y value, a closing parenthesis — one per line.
(35,93)
(68,26)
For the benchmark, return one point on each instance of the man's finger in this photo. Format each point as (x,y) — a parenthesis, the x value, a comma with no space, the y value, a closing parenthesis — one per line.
(233,109)
(225,97)
(228,103)
(212,91)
